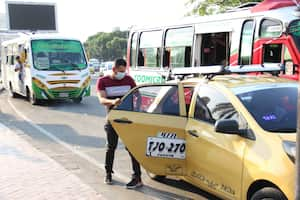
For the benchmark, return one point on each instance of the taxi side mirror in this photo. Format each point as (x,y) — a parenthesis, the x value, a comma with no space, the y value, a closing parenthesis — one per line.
(228,126)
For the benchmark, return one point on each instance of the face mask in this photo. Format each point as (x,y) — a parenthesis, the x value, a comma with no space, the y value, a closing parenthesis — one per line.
(120,75)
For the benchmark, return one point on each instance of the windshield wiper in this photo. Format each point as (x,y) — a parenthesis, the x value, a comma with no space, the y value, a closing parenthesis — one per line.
(283,130)
(76,66)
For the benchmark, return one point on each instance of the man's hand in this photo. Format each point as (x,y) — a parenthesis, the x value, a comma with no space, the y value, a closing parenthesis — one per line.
(116,101)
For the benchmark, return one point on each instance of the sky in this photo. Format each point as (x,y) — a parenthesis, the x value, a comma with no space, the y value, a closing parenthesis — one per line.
(83,18)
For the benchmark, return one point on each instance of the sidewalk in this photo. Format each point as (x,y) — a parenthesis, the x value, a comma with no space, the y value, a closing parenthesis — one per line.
(27,173)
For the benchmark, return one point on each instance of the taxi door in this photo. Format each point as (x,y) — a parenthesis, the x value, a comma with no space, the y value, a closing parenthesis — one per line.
(151,123)
(214,160)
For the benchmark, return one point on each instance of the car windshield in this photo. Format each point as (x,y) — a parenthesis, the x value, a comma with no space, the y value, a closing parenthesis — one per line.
(273,106)
(57,54)
(294,31)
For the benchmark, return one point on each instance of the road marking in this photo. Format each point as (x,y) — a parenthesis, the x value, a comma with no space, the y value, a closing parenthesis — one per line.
(67,146)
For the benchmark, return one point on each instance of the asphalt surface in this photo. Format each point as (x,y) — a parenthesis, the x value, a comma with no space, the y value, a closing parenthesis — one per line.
(73,136)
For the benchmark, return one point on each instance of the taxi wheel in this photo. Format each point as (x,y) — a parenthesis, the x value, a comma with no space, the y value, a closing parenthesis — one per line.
(268,193)
(155,177)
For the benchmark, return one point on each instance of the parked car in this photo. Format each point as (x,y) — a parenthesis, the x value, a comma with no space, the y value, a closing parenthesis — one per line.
(94,63)
(91,68)
(231,135)
(106,67)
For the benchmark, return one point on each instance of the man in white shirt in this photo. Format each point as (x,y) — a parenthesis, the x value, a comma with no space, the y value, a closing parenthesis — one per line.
(20,68)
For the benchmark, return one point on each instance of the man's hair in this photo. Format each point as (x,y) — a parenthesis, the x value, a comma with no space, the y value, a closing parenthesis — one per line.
(17,57)
(120,62)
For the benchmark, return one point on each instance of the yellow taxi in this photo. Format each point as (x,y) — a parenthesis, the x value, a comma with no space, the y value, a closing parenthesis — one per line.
(231,135)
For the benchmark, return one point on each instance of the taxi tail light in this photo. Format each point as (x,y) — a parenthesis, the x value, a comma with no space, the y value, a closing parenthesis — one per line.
(290,149)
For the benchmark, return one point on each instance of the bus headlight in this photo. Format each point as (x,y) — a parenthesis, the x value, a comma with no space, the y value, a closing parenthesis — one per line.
(39,83)
(290,149)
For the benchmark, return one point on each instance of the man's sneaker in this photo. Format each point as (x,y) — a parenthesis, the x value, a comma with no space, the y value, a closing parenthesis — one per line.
(108,179)
(134,183)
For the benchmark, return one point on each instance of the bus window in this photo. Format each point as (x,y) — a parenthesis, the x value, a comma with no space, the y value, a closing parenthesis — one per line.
(272,53)
(270,28)
(178,47)
(246,43)
(133,50)
(149,53)
(294,31)
(214,49)
(288,62)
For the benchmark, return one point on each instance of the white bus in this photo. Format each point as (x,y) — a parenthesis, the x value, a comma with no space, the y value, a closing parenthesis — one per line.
(266,32)
(54,67)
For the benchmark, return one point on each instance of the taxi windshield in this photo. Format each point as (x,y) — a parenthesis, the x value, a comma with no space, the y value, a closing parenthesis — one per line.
(294,31)
(58,54)
(273,106)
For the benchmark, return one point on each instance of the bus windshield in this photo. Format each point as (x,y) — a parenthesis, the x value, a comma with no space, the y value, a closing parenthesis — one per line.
(58,54)
(294,31)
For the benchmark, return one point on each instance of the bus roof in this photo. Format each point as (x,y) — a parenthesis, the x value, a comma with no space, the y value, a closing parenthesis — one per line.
(268,8)
(271,4)
(37,36)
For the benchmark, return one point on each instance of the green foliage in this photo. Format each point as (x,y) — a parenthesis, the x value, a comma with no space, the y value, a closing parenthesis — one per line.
(107,46)
(206,7)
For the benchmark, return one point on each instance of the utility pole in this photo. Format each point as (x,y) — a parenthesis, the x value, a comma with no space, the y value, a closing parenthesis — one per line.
(297,195)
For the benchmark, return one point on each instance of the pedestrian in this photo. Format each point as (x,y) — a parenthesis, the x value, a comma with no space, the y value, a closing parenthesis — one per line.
(110,89)
(19,68)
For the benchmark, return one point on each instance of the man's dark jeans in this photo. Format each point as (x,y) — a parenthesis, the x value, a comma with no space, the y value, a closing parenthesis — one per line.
(112,142)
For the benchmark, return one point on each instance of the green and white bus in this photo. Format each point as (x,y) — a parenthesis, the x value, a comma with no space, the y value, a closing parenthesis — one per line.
(54,67)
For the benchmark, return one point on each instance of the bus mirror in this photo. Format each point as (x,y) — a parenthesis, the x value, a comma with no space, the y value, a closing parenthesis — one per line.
(289,67)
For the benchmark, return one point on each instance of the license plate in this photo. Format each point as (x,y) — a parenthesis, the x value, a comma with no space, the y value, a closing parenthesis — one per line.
(63,94)
(165,147)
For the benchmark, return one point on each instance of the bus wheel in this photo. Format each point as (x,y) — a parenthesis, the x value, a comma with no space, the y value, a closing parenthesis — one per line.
(268,193)
(11,91)
(31,97)
(155,177)
(77,100)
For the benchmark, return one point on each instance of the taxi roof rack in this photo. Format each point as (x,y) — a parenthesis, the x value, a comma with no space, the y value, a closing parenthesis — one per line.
(210,71)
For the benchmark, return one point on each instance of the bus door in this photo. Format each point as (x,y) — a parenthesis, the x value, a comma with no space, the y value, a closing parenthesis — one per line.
(14,78)
(4,65)
(212,46)
(215,49)
(212,49)
(19,77)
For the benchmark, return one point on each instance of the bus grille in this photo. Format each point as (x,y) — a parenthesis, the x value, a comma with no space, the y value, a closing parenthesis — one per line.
(63,82)
(62,94)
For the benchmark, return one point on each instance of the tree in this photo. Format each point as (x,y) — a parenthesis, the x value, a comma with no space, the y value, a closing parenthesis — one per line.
(107,46)
(206,7)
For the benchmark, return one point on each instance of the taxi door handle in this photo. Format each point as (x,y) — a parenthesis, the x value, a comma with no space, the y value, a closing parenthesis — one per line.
(193,133)
(123,121)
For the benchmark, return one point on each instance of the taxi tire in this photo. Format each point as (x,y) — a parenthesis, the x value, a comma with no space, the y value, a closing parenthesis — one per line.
(268,193)
(155,177)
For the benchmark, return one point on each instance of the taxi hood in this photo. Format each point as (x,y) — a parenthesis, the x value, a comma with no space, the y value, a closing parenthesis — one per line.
(288,137)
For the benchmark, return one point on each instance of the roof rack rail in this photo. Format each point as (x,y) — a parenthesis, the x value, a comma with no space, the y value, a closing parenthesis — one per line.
(211,71)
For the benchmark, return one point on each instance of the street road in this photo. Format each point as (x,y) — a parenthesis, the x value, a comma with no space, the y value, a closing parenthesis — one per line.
(72,134)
